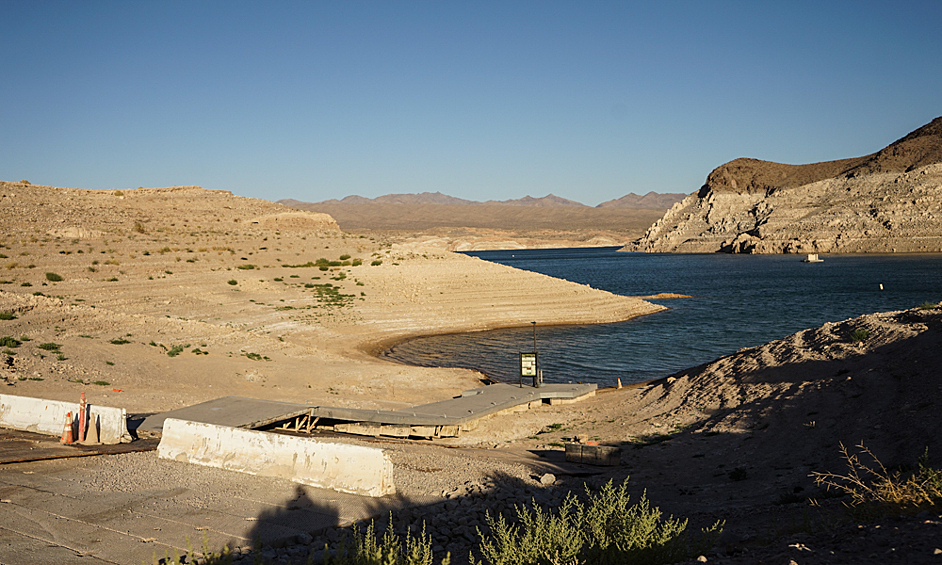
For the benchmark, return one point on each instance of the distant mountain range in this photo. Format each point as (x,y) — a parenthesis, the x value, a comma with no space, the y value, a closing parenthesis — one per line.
(650,201)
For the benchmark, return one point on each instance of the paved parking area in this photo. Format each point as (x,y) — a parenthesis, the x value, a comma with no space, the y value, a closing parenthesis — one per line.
(127,508)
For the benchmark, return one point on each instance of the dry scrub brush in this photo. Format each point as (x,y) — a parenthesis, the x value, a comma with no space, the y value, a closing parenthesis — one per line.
(873,487)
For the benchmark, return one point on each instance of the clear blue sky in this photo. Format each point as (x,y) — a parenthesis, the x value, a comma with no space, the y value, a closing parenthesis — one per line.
(479,100)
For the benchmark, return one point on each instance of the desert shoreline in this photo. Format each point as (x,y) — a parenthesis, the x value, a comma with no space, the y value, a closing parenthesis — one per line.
(174,296)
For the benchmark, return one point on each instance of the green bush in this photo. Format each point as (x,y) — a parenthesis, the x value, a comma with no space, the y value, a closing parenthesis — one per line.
(605,529)
(368,550)
(859,335)
(119,341)
(233,282)
(7,316)
(928,305)
(376,262)
(53,277)
(50,346)
(8,341)
(246,267)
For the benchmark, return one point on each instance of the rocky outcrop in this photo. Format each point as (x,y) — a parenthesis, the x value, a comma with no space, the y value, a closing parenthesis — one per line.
(889,201)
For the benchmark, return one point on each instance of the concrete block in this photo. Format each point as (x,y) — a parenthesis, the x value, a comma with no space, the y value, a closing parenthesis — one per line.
(602,455)
(48,417)
(337,466)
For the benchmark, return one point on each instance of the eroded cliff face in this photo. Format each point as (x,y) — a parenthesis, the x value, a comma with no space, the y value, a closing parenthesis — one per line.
(890,201)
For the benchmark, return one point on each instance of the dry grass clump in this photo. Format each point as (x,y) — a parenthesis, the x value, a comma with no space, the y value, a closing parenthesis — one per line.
(875,489)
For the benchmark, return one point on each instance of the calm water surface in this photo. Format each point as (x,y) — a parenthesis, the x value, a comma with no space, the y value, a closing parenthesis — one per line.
(738,301)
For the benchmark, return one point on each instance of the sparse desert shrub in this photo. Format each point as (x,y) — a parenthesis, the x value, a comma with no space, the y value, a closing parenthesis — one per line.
(53,277)
(256,356)
(875,489)
(6,315)
(232,282)
(49,346)
(928,305)
(8,341)
(119,341)
(344,257)
(24,181)
(357,262)
(367,549)
(604,529)
(246,267)
(138,227)
(859,335)
(376,263)
(176,350)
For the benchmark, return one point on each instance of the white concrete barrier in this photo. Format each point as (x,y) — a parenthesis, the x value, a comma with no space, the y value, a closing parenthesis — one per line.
(341,467)
(48,417)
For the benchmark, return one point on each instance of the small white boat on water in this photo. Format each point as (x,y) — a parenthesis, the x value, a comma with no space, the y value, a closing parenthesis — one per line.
(812,258)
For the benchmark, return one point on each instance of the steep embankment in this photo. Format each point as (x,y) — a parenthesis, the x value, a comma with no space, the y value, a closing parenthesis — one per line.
(889,201)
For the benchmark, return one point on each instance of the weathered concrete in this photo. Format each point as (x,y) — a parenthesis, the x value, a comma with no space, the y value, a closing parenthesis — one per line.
(345,468)
(233,411)
(129,508)
(446,418)
(48,417)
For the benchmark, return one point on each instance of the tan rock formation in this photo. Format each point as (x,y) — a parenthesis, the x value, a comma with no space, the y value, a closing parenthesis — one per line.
(890,201)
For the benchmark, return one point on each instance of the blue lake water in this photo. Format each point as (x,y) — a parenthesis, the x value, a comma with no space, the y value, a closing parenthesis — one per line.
(738,301)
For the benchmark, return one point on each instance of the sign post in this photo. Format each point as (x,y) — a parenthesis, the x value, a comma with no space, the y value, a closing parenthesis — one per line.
(528,367)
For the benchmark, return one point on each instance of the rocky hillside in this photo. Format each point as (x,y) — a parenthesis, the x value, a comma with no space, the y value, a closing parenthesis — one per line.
(889,201)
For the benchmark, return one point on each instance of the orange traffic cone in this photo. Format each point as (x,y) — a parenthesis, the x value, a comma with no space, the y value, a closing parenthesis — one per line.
(67,430)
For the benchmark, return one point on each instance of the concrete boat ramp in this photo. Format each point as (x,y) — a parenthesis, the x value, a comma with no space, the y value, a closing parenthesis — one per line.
(234,433)
(95,510)
(447,418)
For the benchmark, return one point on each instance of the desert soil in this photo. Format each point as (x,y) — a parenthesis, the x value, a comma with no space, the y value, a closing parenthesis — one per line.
(219,279)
